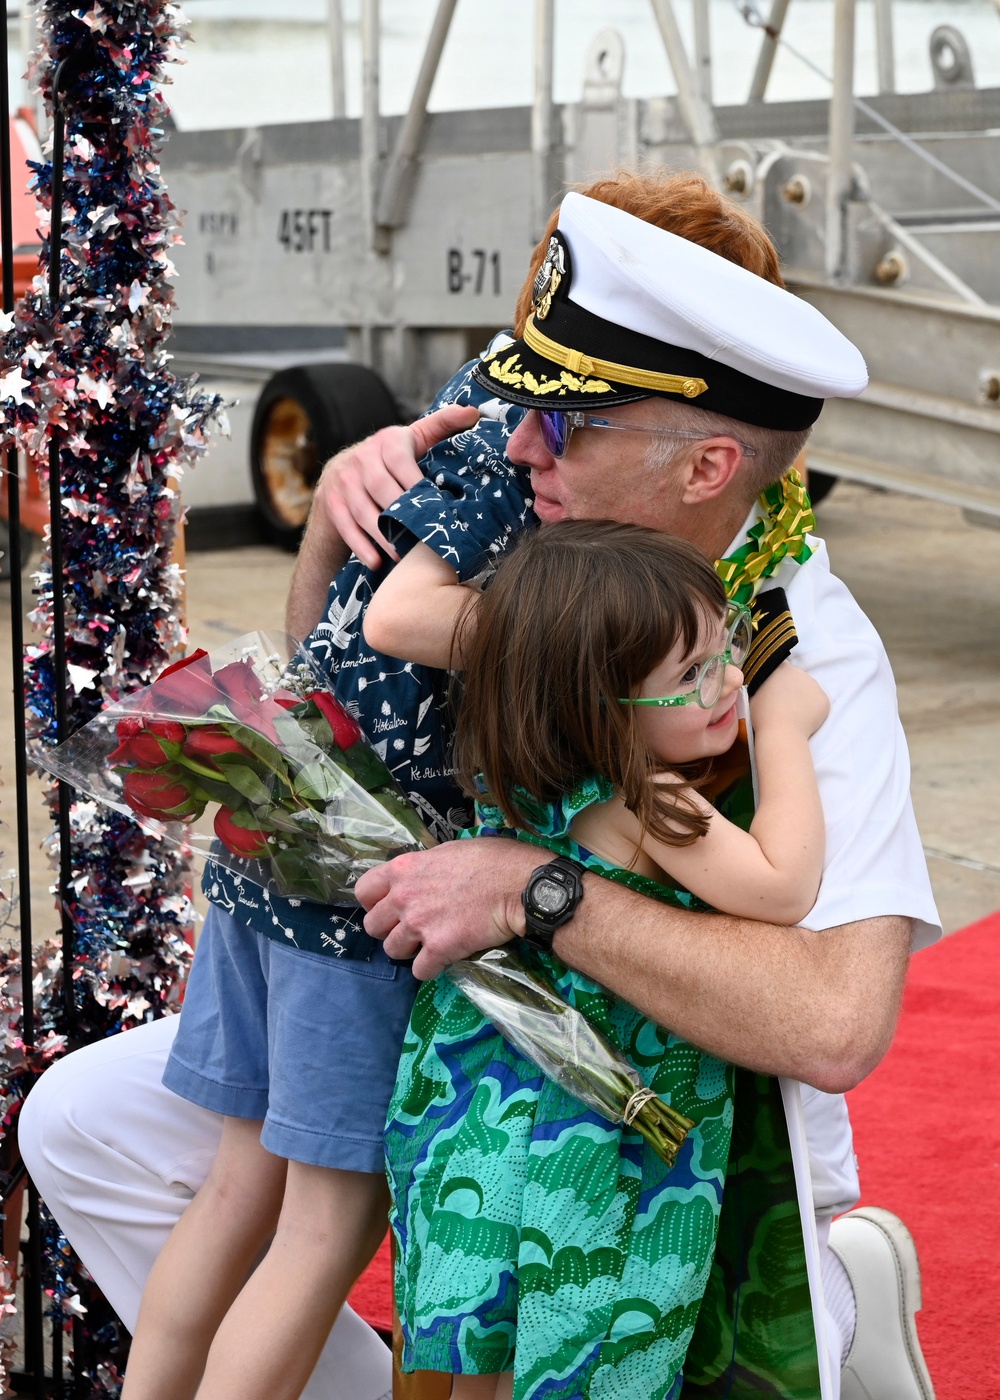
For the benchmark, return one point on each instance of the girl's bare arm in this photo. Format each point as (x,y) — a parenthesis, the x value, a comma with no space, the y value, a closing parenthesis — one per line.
(773,871)
(420,612)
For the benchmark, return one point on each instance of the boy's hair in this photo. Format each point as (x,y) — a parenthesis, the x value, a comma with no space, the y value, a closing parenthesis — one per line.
(687,205)
(578,614)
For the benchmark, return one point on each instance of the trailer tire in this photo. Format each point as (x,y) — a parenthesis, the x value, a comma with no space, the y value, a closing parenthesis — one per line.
(820,485)
(303,416)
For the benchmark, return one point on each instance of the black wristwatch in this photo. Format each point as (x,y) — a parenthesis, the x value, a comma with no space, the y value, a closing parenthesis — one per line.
(550,900)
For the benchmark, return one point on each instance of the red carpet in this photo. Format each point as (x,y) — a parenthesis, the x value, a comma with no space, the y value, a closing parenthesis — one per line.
(371,1296)
(927,1134)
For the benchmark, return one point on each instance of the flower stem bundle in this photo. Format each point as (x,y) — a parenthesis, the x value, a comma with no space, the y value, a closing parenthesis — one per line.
(528,1011)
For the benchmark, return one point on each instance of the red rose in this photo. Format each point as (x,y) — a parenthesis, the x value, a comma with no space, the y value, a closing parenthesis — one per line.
(159,795)
(241,840)
(180,665)
(186,688)
(346,730)
(147,743)
(239,683)
(206,741)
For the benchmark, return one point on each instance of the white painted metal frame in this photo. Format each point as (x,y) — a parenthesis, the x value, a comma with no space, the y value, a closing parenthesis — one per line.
(543,116)
(394,197)
(840,177)
(768,50)
(885,48)
(338,83)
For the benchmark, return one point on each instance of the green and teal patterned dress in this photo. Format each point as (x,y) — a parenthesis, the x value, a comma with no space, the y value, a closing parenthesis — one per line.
(533,1235)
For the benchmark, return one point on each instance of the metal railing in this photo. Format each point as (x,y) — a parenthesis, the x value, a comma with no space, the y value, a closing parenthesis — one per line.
(37,1375)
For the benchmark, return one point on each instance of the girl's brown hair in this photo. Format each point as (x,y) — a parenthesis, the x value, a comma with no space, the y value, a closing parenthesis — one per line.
(578,614)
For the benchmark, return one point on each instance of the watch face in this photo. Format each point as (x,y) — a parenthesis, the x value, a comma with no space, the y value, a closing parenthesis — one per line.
(548,897)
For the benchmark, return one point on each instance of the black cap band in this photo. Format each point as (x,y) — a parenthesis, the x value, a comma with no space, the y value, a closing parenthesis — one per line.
(590,344)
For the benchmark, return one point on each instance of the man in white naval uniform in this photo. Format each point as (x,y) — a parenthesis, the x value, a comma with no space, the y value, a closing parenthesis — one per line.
(117,1156)
(716,351)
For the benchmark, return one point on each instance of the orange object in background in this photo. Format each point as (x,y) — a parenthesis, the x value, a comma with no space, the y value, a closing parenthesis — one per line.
(24,147)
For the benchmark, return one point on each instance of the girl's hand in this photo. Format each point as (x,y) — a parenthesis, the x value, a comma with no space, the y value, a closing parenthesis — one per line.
(789,698)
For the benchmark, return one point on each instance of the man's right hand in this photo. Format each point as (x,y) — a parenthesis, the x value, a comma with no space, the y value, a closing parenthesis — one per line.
(361,481)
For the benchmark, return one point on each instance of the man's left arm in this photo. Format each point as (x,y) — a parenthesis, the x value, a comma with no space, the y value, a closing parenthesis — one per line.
(815,1006)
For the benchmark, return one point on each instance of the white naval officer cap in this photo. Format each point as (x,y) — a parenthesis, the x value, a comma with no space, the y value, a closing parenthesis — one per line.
(623,309)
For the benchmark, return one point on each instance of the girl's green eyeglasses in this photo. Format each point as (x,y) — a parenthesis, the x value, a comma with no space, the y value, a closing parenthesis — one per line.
(711,677)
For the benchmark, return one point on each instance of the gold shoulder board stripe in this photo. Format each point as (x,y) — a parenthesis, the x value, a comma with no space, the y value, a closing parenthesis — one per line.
(578,363)
(778,633)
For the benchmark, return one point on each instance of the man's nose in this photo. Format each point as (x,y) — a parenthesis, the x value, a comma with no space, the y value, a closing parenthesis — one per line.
(526,448)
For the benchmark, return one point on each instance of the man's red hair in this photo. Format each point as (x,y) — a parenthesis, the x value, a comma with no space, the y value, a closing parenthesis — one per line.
(685,204)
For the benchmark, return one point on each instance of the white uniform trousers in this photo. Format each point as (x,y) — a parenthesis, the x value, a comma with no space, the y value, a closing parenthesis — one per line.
(117,1157)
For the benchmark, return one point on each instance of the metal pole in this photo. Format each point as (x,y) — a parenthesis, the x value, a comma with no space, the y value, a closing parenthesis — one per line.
(768,49)
(32,1291)
(34,1341)
(840,177)
(702,49)
(370,148)
(338,86)
(885,47)
(57,1356)
(394,198)
(543,116)
(56,550)
(16,594)
(698,115)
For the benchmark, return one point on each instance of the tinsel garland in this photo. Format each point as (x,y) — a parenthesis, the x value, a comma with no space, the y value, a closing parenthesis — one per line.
(92,375)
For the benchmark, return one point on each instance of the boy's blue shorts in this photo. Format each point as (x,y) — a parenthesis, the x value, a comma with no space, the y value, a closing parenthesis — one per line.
(307,1043)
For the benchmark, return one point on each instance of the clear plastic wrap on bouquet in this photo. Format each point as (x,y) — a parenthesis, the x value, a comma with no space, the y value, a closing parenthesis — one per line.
(527,1010)
(251,735)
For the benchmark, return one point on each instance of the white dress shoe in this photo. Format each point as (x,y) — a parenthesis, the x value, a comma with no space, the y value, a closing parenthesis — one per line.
(885,1361)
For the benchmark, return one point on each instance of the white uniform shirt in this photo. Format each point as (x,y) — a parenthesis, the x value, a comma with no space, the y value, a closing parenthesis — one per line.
(874,859)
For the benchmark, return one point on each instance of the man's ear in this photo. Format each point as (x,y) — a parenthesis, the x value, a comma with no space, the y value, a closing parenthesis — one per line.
(709,470)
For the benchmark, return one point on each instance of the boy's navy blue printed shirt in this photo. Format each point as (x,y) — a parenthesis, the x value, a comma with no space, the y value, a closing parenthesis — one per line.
(468,507)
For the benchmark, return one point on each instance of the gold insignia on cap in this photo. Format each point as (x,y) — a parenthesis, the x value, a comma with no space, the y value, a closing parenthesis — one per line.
(548,278)
(575,360)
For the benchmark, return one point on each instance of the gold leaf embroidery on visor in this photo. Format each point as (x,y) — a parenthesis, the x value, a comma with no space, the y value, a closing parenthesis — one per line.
(510,371)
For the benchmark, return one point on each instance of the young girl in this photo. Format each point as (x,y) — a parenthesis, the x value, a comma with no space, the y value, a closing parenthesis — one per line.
(601,680)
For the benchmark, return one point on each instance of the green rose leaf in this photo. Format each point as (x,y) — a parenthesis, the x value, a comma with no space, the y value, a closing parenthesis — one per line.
(319,782)
(248,784)
(366,766)
(262,749)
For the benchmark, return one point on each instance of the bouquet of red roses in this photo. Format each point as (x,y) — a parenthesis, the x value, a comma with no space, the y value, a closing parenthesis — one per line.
(301,803)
